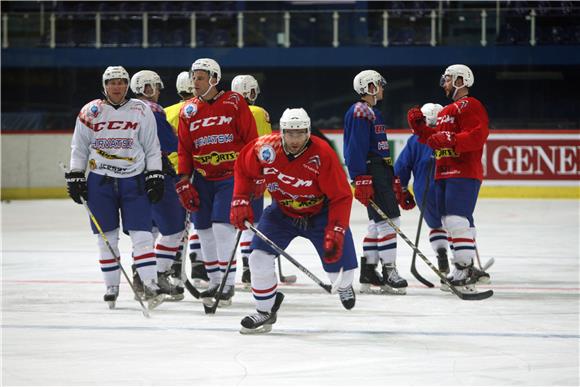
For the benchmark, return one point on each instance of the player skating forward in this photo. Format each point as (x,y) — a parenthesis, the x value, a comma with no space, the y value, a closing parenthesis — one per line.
(458,140)
(248,87)
(213,128)
(368,158)
(168,214)
(117,139)
(311,198)
(184,87)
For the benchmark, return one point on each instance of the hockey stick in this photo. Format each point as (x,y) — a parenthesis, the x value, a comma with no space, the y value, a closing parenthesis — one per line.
(463,296)
(188,285)
(98,227)
(487,265)
(287,279)
(211,309)
(329,288)
(422,212)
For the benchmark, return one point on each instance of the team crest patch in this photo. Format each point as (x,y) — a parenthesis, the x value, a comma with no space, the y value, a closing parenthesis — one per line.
(189,110)
(267,154)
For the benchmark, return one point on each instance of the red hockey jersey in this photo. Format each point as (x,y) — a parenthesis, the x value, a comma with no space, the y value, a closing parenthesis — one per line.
(301,186)
(468,119)
(211,135)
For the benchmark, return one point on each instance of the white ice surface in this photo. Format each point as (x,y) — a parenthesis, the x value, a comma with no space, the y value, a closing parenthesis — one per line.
(56,330)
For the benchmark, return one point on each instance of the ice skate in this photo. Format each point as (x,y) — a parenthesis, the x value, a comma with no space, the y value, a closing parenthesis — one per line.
(153,295)
(198,273)
(261,322)
(462,278)
(394,283)
(137,285)
(347,297)
(246,275)
(227,296)
(442,261)
(481,277)
(369,277)
(173,293)
(111,295)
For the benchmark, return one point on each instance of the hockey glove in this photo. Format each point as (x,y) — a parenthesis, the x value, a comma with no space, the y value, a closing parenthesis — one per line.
(441,140)
(363,189)
(259,188)
(416,120)
(76,186)
(333,243)
(241,211)
(188,195)
(154,185)
(404,197)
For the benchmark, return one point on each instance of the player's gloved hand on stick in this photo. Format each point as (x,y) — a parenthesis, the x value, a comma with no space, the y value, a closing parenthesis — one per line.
(188,195)
(241,211)
(441,140)
(363,189)
(76,186)
(333,243)
(259,188)
(416,120)
(404,197)
(154,185)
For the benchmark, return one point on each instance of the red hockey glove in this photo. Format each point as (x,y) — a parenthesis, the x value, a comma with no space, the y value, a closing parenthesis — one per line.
(441,140)
(241,211)
(404,197)
(259,188)
(416,120)
(363,189)
(333,242)
(188,195)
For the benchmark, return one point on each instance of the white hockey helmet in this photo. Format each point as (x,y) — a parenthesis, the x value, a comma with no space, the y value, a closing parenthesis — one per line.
(430,111)
(114,72)
(209,65)
(362,80)
(458,70)
(244,84)
(295,119)
(184,84)
(143,78)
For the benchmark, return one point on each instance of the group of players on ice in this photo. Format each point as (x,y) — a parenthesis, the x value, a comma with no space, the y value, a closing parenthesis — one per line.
(196,172)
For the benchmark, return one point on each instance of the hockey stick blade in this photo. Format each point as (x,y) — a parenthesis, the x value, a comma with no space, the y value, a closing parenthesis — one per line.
(488,264)
(192,290)
(420,278)
(476,296)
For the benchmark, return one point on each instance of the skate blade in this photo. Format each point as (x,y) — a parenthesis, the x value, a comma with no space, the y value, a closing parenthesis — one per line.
(225,303)
(246,286)
(155,301)
(111,304)
(258,331)
(484,281)
(386,289)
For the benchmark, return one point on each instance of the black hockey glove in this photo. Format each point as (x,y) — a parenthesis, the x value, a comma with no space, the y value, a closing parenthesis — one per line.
(76,186)
(154,185)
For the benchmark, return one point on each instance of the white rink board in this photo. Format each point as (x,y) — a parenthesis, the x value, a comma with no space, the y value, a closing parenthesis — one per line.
(58,331)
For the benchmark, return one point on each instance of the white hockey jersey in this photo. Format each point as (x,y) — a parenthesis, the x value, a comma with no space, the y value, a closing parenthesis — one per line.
(119,142)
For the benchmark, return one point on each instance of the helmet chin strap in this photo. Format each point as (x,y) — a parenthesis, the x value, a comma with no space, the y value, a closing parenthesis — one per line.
(116,105)
(208,89)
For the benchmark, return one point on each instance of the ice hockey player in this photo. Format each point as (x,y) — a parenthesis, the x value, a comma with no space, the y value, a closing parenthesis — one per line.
(368,159)
(311,198)
(249,88)
(458,140)
(184,87)
(117,139)
(168,214)
(213,128)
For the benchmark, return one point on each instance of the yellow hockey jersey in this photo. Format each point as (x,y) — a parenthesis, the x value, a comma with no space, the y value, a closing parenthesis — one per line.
(262,119)
(172,114)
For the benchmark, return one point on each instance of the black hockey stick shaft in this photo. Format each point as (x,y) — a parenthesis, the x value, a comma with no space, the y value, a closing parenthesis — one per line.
(102,234)
(303,269)
(211,309)
(421,215)
(188,285)
(463,296)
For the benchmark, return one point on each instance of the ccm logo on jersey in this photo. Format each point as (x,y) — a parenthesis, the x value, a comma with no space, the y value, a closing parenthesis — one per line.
(209,121)
(113,125)
(290,180)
